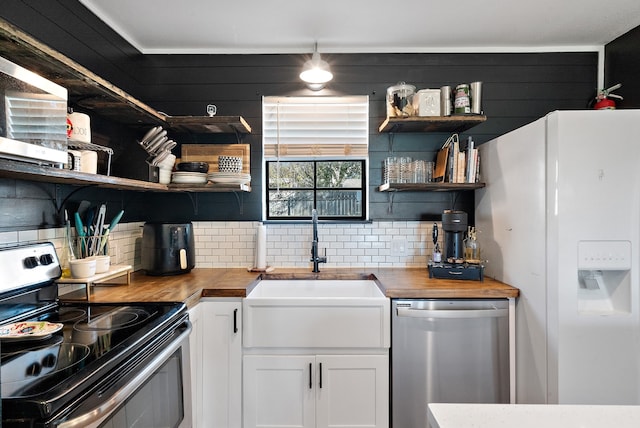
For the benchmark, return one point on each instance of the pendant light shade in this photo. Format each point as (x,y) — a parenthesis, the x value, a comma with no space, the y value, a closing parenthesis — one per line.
(316,72)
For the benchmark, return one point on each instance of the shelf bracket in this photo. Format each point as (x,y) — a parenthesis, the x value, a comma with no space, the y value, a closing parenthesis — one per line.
(390,202)
(238,134)
(193,197)
(60,201)
(240,200)
(194,201)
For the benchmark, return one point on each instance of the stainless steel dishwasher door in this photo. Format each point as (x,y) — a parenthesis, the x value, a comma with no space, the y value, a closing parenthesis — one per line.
(447,351)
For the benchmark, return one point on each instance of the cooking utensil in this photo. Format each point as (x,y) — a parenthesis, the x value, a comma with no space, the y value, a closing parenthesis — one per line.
(82,207)
(157,140)
(95,243)
(67,225)
(149,135)
(108,229)
(81,233)
(157,149)
(159,158)
(167,146)
(88,220)
(79,226)
(116,220)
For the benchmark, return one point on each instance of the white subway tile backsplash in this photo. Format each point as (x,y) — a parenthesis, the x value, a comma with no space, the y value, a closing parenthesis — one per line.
(8,238)
(232,244)
(49,234)
(28,235)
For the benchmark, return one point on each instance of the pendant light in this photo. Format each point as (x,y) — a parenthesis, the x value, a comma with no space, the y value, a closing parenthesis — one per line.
(316,72)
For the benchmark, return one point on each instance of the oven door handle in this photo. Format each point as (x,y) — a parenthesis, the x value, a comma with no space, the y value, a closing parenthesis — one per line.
(97,415)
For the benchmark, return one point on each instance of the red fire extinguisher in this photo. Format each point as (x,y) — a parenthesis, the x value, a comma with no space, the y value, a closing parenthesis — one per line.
(603,99)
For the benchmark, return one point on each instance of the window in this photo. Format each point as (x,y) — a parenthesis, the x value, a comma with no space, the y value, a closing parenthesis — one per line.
(334,188)
(316,156)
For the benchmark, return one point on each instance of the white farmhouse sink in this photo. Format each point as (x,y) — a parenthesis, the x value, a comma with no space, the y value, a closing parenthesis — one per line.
(316,289)
(316,314)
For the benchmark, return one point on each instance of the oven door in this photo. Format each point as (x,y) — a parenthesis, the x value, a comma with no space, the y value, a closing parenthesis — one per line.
(157,393)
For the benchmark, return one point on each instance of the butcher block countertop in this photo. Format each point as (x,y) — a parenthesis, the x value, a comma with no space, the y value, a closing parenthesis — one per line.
(220,282)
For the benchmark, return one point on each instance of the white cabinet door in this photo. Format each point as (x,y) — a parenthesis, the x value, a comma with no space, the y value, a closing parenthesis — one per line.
(323,391)
(352,390)
(195,357)
(279,391)
(221,370)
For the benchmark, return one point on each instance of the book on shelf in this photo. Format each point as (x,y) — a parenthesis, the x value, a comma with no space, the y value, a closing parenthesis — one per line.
(461,167)
(454,152)
(442,160)
(456,162)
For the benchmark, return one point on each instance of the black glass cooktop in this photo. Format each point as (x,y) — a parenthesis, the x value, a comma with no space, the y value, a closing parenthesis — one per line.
(94,339)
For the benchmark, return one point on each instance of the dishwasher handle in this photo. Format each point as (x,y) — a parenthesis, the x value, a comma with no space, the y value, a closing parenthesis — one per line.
(452,313)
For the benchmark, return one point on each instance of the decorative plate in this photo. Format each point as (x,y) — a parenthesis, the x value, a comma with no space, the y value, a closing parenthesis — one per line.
(28,330)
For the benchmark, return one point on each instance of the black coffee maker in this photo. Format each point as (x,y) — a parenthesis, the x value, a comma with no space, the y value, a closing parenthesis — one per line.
(454,225)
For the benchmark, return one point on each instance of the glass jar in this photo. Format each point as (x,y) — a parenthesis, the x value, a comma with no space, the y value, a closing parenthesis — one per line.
(400,100)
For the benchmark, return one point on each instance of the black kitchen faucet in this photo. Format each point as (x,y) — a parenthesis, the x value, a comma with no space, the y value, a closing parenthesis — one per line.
(315,258)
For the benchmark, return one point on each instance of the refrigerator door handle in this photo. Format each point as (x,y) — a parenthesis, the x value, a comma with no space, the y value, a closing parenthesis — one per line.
(448,313)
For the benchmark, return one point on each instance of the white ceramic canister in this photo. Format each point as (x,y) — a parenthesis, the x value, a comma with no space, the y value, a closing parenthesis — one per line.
(89,161)
(426,102)
(80,127)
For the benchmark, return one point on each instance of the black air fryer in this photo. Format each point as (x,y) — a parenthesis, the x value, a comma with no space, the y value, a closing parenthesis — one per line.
(168,248)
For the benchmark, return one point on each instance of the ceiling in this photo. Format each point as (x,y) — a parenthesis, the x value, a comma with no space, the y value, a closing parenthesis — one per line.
(363,26)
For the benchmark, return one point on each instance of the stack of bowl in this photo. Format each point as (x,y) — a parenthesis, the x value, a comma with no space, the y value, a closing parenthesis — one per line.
(165,167)
(229,171)
(191,173)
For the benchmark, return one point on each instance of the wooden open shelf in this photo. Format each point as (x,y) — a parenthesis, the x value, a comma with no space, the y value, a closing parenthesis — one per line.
(453,124)
(91,92)
(27,171)
(429,187)
(206,124)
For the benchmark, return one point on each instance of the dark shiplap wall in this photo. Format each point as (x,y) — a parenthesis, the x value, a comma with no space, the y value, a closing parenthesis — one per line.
(518,88)
(622,65)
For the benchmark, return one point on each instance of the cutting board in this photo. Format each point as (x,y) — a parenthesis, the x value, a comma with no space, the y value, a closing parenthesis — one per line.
(209,153)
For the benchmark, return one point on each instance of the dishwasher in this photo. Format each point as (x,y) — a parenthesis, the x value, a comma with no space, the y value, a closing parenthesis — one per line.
(447,351)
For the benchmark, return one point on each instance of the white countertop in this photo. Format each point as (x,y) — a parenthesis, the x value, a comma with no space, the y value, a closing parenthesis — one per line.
(441,415)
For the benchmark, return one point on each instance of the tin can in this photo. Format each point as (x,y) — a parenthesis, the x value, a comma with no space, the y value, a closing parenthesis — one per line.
(445,101)
(476,97)
(462,103)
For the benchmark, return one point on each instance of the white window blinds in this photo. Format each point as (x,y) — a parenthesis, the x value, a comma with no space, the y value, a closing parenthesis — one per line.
(315,127)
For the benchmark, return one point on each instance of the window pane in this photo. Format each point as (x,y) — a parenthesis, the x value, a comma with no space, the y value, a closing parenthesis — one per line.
(339,191)
(339,203)
(290,203)
(290,174)
(339,174)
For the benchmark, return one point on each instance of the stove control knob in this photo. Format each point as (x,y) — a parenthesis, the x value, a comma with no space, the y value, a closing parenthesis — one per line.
(49,360)
(30,262)
(46,259)
(33,369)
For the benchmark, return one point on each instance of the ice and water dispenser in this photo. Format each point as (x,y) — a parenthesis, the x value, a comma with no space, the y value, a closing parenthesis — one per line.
(604,275)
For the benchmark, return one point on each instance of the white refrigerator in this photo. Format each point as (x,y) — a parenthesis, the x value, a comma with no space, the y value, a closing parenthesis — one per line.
(559,219)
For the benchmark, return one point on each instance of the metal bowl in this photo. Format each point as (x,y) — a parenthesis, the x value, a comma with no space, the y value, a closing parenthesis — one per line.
(193,166)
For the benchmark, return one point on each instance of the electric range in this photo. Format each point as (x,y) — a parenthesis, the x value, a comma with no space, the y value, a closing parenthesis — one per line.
(60,361)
